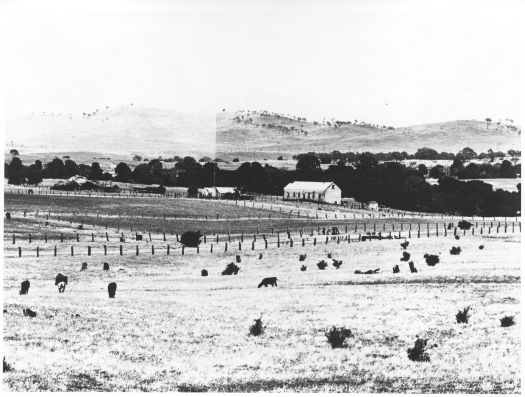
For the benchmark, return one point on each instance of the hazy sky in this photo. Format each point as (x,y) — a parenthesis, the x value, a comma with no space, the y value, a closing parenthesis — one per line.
(388,62)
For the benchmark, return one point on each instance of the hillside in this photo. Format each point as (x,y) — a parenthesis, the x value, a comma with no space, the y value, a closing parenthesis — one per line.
(124,130)
(256,134)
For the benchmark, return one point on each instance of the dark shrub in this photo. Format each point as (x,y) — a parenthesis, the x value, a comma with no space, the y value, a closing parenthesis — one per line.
(235,160)
(456,236)
(507,321)
(405,245)
(419,351)
(406,257)
(322,265)
(7,366)
(337,337)
(204,272)
(191,239)
(432,260)
(455,251)
(8,216)
(464,225)
(303,268)
(231,268)
(412,267)
(257,328)
(396,269)
(463,315)
(302,257)
(337,264)
(481,247)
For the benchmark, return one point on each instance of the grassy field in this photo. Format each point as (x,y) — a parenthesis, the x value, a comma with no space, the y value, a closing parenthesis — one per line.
(171,329)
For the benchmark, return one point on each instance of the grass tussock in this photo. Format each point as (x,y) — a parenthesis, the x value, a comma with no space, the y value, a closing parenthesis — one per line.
(420,351)
(462,316)
(337,337)
(507,321)
(257,328)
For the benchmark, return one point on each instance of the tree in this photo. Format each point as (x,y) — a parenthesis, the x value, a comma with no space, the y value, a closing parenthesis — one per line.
(308,162)
(123,172)
(16,172)
(137,158)
(96,172)
(437,172)
(422,168)
(71,168)
(55,169)
(193,191)
(467,154)
(14,152)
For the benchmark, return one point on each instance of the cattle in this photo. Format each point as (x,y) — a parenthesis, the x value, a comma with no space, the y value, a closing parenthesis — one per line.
(405,245)
(112,289)
(375,271)
(238,258)
(61,281)
(204,272)
(84,267)
(24,287)
(106,266)
(268,281)
(303,268)
(412,267)
(29,313)
(396,269)
(302,257)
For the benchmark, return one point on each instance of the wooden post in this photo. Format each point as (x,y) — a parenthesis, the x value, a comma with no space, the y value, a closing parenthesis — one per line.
(14,239)
(183,250)
(168,250)
(315,240)
(72,252)
(240,248)
(105,249)
(121,250)
(78,238)
(89,250)
(61,237)
(55,251)
(225,246)
(19,252)
(152,250)
(37,251)
(211,247)
(92,238)
(29,238)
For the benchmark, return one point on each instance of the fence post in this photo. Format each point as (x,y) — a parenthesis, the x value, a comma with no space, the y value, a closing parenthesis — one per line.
(183,250)
(315,240)
(225,246)
(240,248)
(211,247)
(37,251)
(29,238)
(89,250)
(121,250)
(14,239)
(168,250)
(19,252)
(61,237)
(105,249)
(78,239)
(72,252)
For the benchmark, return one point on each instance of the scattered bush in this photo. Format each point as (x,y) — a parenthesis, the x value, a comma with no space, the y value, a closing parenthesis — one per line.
(464,225)
(7,366)
(337,337)
(337,264)
(204,273)
(303,268)
(396,269)
(235,160)
(455,251)
(231,268)
(463,315)
(322,265)
(406,257)
(257,328)
(405,245)
(432,260)
(302,257)
(329,255)
(412,267)
(481,247)
(507,321)
(191,239)
(419,351)
(456,236)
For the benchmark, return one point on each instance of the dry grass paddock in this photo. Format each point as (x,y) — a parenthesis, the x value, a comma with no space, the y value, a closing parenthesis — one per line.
(171,329)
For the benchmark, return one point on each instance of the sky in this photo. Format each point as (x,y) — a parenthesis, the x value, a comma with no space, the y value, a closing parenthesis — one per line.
(397,62)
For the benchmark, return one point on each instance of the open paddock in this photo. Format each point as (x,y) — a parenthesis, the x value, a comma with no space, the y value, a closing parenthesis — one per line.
(171,329)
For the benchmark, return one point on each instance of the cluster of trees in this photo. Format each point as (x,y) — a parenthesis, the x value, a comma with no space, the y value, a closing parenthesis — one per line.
(421,154)
(391,184)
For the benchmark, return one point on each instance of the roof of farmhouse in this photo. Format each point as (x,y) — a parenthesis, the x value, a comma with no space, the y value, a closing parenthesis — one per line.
(223,189)
(308,186)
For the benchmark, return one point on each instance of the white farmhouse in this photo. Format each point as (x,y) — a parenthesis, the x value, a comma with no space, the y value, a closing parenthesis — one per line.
(323,192)
(373,206)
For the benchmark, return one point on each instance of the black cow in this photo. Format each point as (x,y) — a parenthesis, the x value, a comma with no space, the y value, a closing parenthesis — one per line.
(24,287)
(84,266)
(112,289)
(61,281)
(330,255)
(106,266)
(268,281)
(29,313)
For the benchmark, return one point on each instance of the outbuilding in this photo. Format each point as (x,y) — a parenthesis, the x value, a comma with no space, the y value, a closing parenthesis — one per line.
(322,192)
(373,206)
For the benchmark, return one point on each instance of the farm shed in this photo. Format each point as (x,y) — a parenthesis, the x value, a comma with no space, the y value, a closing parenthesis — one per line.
(225,192)
(208,192)
(351,202)
(323,192)
(372,205)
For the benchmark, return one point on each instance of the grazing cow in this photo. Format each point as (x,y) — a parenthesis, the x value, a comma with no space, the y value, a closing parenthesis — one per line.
(24,287)
(396,269)
(268,281)
(106,266)
(29,313)
(404,245)
(260,256)
(84,267)
(204,272)
(238,258)
(303,268)
(412,267)
(112,289)
(302,257)
(375,271)
(61,281)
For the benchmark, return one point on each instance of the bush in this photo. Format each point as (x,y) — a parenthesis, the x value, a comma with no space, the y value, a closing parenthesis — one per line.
(481,247)
(463,315)
(337,337)
(431,260)
(191,239)
(322,265)
(303,268)
(507,321)
(419,351)
(455,251)
(235,160)
(337,264)
(7,366)
(406,257)
(464,225)
(257,328)
(231,268)
(456,236)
